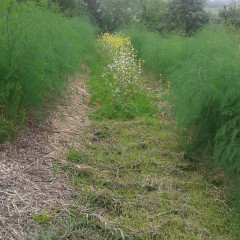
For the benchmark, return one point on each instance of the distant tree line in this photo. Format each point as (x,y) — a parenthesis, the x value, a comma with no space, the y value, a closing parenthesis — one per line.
(183,16)
(179,16)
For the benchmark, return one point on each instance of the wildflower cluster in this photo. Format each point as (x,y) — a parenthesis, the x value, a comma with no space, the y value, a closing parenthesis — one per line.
(123,70)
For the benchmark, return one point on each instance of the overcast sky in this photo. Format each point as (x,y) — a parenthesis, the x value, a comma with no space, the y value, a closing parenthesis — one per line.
(219,2)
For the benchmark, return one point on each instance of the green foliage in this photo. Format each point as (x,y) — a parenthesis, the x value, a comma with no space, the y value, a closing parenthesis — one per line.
(140,105)
(43,217)
(75,156)
(39,49)
(153,14)
(230,15)
(92,7)
(115,82)
(186,16)
(71,7)
(109,15)
(161,56)
(179,16)
(204,88)
(114,14)
(142,188)
(206,95)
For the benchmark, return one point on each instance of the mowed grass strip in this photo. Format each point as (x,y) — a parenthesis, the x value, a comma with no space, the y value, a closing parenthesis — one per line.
(139,185)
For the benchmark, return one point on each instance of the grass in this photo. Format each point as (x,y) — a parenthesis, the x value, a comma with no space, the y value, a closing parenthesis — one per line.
(114,83)
(39,50)
(137,184)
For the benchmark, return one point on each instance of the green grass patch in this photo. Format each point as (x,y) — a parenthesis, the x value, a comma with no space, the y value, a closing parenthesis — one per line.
(139,186)
(141,104)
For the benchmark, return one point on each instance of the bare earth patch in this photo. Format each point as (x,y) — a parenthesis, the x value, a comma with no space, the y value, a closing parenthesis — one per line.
(27,184)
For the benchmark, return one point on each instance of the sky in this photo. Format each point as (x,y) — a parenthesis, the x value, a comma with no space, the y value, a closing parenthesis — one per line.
(218,2)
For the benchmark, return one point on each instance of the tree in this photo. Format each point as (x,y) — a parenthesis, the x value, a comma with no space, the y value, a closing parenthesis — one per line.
(153,13)
(186,16)
(115,13)
(70,7)
(230,15)
(93,9)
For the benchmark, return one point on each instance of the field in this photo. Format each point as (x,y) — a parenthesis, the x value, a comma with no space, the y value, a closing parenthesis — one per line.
(126,134)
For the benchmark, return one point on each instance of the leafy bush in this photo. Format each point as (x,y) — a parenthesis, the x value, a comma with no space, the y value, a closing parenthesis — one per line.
(230,15)
(39,49)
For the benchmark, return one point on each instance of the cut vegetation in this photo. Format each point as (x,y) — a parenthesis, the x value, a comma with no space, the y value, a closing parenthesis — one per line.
(135,183)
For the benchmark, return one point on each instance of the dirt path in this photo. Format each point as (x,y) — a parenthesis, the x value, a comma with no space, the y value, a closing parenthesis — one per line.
(27,184)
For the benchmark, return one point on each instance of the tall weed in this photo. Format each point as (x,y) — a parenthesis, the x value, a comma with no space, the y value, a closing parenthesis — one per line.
(206,94)
(204,72)
(161,55)
(39,49)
